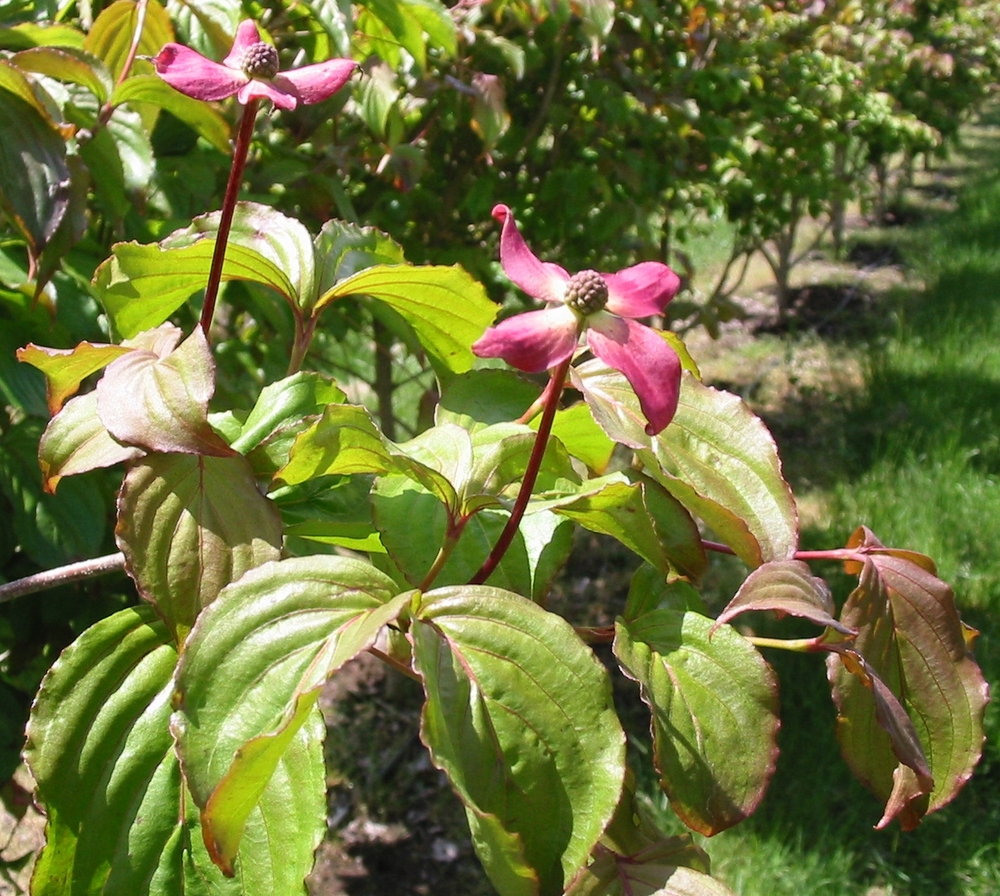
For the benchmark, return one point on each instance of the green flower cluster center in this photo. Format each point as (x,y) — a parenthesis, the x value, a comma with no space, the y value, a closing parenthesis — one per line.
(260,60)
(586,292)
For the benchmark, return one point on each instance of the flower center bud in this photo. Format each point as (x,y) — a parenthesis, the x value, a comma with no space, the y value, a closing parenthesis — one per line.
(586,292)
(260,60)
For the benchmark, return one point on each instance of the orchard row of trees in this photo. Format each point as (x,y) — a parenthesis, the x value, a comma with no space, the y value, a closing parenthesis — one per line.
(610,128)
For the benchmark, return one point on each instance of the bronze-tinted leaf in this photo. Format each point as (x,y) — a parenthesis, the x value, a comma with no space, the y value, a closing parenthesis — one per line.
(912,640)
(156,397)
(189,525)
(785,587)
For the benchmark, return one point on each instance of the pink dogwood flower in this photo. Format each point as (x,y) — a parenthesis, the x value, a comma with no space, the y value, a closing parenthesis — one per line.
(250,71)
(601,306)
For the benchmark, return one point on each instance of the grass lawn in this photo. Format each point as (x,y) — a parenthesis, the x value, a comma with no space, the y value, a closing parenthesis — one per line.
(894,423)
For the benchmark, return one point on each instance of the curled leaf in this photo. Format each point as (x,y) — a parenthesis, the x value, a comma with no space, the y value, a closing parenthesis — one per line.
(785,587)
(911,639)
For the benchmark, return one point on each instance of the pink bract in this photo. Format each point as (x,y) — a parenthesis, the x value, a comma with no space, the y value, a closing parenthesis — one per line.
(196,76)
(539,340)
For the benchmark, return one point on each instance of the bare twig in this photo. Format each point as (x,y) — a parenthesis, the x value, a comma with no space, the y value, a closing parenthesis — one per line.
(63,575)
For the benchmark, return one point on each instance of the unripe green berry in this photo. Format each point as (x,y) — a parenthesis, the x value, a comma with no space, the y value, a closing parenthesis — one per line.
(586,292)
(260,60)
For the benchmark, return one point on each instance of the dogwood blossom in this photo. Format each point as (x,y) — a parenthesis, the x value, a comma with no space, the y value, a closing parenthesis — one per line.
(602,308)
(250,71)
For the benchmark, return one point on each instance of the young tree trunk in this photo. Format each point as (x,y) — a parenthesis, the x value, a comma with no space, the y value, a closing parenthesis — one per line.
(383,384)
(838,207)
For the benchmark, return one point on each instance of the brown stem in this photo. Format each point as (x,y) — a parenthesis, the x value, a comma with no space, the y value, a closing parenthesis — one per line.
(396,664)
(240,153)
(63,575)
(530,475)
(304,329)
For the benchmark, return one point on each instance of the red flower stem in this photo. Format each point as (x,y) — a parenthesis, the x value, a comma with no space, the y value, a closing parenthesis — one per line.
(240,153)
(552,392)
(396,664)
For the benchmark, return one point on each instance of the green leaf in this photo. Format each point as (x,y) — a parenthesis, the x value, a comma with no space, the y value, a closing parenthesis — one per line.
(785,587)
(21,387)
(333,510)
(13,80)
(189,525)
(66,368)
(140,286)
(480,466)
(104,708)
(200,117)
(345,440)
(437,23)
(51,529)
(34,174)
(376,97)
(646,519)
(394,26)
(282,405)
(76,441)
(714,705)
(716,457)
(71,228)
(119,816)
(68,64)
(274,249)
(333,22)
(576,428)
(209,25)
(649,590)
(157,398)
(912,639)
(133,146)
(499,458)
(519,716)
(447,309)
(344,249)
(480,398)
(111,36)
(251,672)
(101,156)
(30,34)
(540,548)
